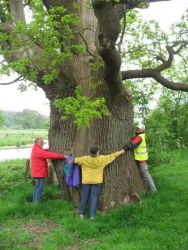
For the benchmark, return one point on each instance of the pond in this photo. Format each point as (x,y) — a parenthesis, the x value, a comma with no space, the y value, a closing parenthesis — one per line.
(17,153)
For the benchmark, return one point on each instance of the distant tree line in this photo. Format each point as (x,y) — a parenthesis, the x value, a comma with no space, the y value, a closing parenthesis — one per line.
(27,119)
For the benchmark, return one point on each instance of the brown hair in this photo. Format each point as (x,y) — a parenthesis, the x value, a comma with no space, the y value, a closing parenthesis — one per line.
(94,150)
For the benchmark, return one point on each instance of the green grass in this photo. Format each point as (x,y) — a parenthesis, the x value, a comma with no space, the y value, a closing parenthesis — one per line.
(11,175)
(160,222)
(12,137)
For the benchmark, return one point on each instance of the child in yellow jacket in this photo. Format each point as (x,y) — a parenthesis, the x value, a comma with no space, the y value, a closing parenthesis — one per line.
(92,177)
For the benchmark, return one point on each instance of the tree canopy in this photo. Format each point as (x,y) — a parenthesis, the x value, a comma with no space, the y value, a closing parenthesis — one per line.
(36,48)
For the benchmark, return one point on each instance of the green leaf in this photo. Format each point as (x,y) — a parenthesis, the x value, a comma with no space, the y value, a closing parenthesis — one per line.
(82,108)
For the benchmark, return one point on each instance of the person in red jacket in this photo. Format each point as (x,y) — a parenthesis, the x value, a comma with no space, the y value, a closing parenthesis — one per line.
(39,166)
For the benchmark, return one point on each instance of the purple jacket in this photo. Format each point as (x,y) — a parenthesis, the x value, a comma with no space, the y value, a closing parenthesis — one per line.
(72,173)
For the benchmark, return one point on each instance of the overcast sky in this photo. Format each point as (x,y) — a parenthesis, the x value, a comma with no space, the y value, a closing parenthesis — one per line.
(11,99)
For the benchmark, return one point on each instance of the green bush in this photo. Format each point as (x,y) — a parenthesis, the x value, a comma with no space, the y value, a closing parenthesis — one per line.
(167,127)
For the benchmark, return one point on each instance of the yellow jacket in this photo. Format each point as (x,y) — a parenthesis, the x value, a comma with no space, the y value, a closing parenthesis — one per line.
(140,152)
(93,167)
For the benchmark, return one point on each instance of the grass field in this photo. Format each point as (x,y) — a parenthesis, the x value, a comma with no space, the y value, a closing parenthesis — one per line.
(11,137)
(160,222)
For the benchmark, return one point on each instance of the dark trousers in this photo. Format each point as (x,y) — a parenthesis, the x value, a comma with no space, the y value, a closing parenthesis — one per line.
(89,192)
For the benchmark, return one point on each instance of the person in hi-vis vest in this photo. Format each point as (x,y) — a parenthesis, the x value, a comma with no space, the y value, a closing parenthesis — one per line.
(138,144)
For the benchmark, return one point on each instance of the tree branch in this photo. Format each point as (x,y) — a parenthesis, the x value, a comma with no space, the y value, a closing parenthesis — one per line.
(20,78)
(182,44)
(134,2)
(170,84)
(123,29)
(155,73)
(121,9)
(153,1)
(86,45)
(109,30)
(131,4)
(171,52)
(2,61)
(152,73)
(166,63)
(24,50)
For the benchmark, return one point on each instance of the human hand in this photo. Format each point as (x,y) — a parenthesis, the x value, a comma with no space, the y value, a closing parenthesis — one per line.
(122,151)
(70,160)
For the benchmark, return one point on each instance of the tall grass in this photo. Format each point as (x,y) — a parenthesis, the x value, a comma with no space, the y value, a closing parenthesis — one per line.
(12,175)
(12,137)
(160,222)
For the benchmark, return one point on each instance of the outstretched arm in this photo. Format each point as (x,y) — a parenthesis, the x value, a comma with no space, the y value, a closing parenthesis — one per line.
(47,154)
(133,144)
(110,158)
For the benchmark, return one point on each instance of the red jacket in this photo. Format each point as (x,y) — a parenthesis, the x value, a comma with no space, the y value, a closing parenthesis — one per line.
(39,156)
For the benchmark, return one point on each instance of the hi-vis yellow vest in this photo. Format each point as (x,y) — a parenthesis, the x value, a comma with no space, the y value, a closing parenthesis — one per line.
(141,153)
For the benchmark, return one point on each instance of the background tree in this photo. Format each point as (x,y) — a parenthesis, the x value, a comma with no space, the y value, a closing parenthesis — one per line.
(27,119)
(167,126)
(31,119)
(69,50)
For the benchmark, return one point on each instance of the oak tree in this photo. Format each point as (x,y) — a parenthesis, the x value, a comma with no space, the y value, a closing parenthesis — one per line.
(72,50)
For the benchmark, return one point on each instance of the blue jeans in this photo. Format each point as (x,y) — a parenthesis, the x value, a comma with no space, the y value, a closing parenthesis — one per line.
(89,192)
(39,185)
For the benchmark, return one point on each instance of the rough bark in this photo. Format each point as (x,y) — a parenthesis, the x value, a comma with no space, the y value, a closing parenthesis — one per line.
(121,178)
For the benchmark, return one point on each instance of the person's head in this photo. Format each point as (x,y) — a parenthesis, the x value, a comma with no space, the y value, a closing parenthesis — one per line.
(94,151)
(140,128)
(39,141)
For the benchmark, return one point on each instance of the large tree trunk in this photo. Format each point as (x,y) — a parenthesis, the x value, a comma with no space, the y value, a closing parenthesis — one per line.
(122,177)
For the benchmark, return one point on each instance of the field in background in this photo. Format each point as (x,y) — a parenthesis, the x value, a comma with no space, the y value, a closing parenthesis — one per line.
(159,223)
(17,138)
